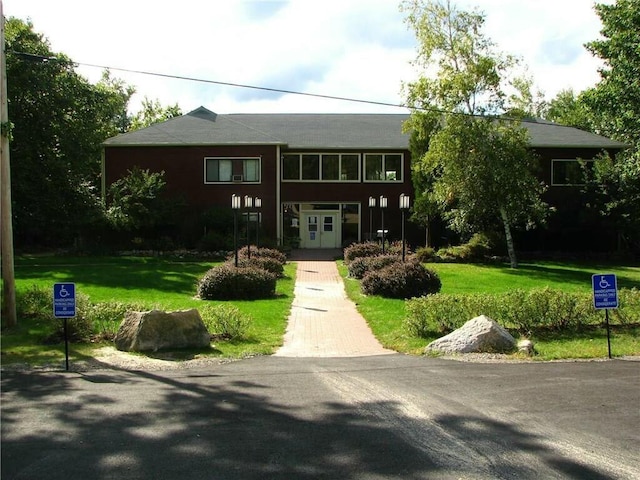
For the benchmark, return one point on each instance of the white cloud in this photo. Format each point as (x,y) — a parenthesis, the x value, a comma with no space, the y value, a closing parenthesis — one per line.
(345,48)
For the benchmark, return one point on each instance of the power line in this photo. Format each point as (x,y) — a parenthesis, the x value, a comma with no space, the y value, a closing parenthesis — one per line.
(45,59)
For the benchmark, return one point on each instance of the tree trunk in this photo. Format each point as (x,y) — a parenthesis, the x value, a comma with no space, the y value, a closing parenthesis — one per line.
(507,231)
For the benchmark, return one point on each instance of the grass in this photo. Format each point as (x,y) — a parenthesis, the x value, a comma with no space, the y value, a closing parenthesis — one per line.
(385,316)
(167,284)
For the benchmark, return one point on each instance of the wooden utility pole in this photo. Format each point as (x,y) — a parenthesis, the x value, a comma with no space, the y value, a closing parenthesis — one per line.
(6,224)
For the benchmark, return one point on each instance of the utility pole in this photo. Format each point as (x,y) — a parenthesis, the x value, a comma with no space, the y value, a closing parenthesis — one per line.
(6,224)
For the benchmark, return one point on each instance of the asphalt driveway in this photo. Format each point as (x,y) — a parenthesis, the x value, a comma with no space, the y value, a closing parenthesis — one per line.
(379,417)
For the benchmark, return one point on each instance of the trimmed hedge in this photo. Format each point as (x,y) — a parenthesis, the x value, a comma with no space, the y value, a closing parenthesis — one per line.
(401,280)
(265,263)
(522,310)
(226,282)
(357,250)
(260,252)
(361,265)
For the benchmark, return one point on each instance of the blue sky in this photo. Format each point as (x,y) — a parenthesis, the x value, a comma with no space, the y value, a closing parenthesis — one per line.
(346,48)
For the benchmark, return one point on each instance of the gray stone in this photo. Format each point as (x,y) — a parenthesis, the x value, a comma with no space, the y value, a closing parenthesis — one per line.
(480,334)
(526,346)
(156,330)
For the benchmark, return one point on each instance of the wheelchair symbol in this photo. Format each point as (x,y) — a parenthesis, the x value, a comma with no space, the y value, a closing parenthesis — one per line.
(604,284)
(63,292)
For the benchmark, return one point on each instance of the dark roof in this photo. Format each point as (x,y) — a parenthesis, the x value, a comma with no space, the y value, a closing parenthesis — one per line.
(321,131)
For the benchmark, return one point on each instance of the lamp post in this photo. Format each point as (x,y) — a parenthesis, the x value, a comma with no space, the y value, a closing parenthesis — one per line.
(258,205)
(372,204)
(248,203)
(404,206)
(383,205)
(235,205)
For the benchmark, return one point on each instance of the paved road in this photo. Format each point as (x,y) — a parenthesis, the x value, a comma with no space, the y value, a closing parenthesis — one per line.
(390,416)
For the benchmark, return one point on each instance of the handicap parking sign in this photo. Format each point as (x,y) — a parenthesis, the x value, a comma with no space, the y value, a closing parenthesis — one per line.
(64,300)
(605,290)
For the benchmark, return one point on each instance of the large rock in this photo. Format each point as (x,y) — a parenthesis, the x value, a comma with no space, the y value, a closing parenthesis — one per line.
(157,330)
(480,334)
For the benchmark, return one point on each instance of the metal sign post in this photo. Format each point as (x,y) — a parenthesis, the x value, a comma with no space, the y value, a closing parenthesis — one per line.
(605,296)
(64,306)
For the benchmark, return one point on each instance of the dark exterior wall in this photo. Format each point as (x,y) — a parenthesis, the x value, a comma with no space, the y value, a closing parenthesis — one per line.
(184,174)
(356,192)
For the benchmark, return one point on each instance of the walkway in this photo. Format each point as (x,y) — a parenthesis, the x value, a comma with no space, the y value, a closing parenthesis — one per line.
(323,321)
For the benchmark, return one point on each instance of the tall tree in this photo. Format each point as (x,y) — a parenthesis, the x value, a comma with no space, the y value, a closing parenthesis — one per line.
(152,112)
(614,106)
(480,169)
(60,122)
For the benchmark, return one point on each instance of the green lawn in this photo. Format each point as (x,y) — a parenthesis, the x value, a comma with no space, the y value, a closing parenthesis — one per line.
(167,284)
(385,316)
(170,284)
(574,277)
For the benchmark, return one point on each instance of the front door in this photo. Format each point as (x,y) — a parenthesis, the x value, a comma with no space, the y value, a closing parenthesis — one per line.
(320,230)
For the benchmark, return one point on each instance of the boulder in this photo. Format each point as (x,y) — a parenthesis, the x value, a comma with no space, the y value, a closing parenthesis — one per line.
(156,330)
(480,334)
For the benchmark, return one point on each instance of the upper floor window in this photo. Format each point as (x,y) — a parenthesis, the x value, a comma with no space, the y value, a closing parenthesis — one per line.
(231,169)
(325,167)
(381,167)
(568,172)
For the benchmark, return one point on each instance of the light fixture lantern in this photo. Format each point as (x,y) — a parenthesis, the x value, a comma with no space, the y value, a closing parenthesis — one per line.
(235,201)
(258,202)
(372,202)
(404,202)
(383,201)
(248,201)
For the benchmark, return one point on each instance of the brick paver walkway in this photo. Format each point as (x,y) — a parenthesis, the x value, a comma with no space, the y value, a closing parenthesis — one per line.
(323,321)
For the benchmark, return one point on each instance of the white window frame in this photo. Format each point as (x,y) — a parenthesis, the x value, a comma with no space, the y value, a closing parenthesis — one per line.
(384,170)
(320,179)
(234,159)
(555,161)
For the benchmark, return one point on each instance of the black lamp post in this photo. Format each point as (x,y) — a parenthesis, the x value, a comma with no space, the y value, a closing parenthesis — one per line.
(248,203)
(383,205)
(404,206)
(235,205)
(372,204)
(258,205)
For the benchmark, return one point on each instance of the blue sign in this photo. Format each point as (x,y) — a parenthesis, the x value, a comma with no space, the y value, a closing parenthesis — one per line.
(64,300)
(605,290)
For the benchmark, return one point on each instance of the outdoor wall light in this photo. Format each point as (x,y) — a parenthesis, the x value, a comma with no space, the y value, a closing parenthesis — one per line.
(404,206)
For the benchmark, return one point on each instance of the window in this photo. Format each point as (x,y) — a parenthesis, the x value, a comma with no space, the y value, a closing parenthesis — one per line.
(383,167)
(324,167)
(221,170)
(568,172)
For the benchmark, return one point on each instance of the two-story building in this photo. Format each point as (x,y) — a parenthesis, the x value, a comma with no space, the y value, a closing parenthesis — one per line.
(316,174)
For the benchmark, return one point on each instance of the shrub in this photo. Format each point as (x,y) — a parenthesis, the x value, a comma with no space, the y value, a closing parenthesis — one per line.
(226,282)
(401,280)
(256,252)
(79,328)
(361,265)
(395,248)
(225,321)
(476,249)
(356,250)
(265,263)
(629,308)
(526,311)
(35,302)
(425,254)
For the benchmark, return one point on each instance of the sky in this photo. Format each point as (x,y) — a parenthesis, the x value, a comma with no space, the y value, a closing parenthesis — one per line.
(359,49)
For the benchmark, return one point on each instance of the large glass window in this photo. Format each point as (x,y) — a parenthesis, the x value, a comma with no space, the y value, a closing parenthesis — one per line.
(383,167)
(291,167)
(326,167)
(330,167)
(310,167)
(220,170)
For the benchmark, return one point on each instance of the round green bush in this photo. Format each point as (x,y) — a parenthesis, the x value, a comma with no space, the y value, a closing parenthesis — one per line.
(226,282)
(356,250)
(265,263)
(361,265)
(401,280)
